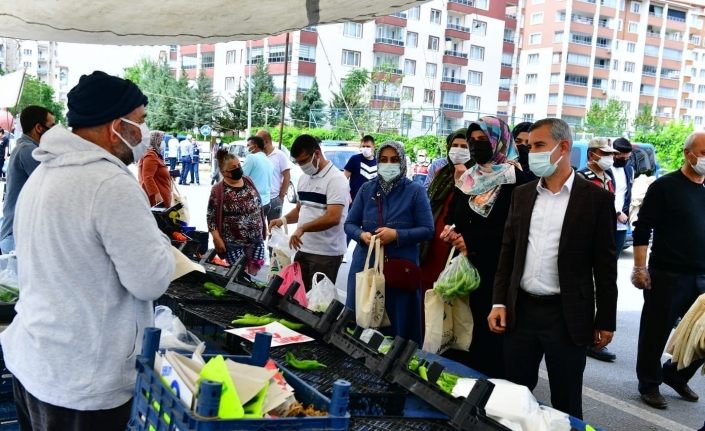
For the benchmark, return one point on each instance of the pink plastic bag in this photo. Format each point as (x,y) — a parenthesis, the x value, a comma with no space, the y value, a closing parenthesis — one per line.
(290,274)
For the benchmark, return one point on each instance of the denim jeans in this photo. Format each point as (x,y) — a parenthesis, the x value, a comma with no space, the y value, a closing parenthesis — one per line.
(7,244)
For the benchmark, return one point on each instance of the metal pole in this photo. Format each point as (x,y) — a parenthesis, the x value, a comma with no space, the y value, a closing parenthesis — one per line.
(249,88)
(286,72)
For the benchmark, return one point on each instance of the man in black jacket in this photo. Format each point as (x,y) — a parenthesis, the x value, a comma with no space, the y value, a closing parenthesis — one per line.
(674,210)
(555,291)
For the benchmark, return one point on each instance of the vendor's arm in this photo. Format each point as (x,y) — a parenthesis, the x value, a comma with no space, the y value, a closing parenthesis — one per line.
(140,252)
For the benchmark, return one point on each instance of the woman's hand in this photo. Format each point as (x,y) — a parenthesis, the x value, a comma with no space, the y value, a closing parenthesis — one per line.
(219,245)
(453,237)
(386,235)
(366,238)
(446,231)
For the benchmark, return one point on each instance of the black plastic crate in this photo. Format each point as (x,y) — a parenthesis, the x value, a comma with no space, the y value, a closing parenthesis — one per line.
(211,320)
(189,290)
(7,312)
(398,424)
(370,395)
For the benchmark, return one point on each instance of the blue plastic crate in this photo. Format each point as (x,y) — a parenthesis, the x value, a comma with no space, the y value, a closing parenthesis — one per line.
(154,402)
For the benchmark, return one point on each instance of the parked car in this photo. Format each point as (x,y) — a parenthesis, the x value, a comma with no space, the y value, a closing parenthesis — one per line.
(339,152)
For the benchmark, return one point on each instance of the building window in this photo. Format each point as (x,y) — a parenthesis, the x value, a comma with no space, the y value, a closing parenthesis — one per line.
(629,66)
(351,58)
(433,43)
(412,39)
(507,58)
(479,27)
(688,103)
(613,84)
(533,59)
(27,64)
(428,96)
(505,83)
(532,78)
(633,27)
(426,122)
(701,89)
(229,83)
(407,93)
(189,62)
(477,52)
(435,16)
(537,18)
(207,60)
(627,86)
(702,73)
(481,4)
(553,99)
(555,59)
(529,118)
(409,67)
(304,82)
(530,98)
(686,118)
(698,120)
(307,53)
(635,7)
(276,53)
(474,77)
(431,70)
(414,13)
(558,37)
(555,78)
(700,105)
(631,47)
(230,57)
(560,16)
(26,52)
(472,103)
(255,55)
(352,29)
(615,64)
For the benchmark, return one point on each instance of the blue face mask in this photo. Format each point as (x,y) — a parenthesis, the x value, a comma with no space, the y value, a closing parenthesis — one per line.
(540,163)
(388,171)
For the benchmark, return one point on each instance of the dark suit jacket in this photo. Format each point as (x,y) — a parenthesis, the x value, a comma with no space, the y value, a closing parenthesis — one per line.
(587,261)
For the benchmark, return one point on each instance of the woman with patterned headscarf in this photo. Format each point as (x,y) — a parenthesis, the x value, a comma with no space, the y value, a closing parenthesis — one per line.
(396,210)
(153,173)
(479,210)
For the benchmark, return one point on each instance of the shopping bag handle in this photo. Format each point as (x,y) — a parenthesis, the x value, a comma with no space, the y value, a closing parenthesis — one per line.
(450,256)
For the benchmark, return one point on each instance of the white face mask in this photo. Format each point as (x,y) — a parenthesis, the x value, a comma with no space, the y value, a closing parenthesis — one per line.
(699,166)
(459,155)
(309,168)
(140,148)
(389,171)
(605,162)
(366,152)
(540,163)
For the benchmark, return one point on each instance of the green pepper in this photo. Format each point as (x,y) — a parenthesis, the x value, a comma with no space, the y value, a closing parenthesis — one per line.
(447,381)
(254,320)
(291,325)
(214,289)
(414,363)
(423,372)
(302,364)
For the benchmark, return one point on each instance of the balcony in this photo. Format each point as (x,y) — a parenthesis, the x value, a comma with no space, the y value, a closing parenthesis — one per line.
(42,71)
(388,46)
(401,15)
(452,84)
(387,69)
(462,6)
(388,41)
(454,31)
(458,28)
(455,54)
(453,80)
(381,98)
(653,34)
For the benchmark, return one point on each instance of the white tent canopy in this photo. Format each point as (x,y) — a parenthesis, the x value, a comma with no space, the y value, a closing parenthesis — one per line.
(163,22)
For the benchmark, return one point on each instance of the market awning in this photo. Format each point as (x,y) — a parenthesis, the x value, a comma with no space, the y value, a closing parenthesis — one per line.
(160,22)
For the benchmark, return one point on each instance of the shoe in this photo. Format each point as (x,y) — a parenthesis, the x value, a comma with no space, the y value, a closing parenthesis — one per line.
(655,400)
(601,354)
(683,390)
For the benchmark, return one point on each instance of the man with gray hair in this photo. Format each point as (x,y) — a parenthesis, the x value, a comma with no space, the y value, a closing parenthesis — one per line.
(555,291)
(674,211)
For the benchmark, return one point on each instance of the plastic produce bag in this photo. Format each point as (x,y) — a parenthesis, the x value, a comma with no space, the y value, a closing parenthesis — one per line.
(322,293)
(459,278)
(8,270)
(174,334)
(279,241)
(291,274)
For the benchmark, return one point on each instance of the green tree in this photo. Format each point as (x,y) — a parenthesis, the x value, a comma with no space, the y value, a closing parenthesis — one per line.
(36,92)
(610,120)
(203,107)
(234,116)
(183,97)
(349,105)
(266,107)
(308,109)
(668,141)
(644,121)
(155,80)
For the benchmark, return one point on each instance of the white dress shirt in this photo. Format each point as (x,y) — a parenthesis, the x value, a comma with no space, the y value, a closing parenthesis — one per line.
(620,192)
(541,266)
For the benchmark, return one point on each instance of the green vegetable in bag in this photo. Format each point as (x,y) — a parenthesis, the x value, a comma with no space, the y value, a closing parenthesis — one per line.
(459,278)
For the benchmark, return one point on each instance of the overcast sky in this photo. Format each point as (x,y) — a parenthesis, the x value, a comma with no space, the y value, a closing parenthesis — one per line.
(84,58)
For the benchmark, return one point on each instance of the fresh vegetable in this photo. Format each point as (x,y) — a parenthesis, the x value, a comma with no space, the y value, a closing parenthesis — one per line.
(291,325)
(265,319)
(423,372)
(214,289)
(459,278)
(414,363)
(302,364)
(447,381)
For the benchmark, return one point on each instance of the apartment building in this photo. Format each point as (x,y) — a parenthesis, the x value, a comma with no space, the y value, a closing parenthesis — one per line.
(436,66)
(639,52)
(39,59)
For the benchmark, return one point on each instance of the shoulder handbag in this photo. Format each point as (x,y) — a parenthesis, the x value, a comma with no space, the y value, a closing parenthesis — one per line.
(370,311)
(399,273)
(178,198)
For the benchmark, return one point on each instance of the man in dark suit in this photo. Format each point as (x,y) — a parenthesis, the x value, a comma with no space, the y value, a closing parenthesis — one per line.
(555,292)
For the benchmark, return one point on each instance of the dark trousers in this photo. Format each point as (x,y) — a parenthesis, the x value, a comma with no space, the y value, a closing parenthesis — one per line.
(172,163)
(620,237)
(275,208)
(540,329)
(669,298)
(36,415)
(185,169)
(313,263)
(195,164)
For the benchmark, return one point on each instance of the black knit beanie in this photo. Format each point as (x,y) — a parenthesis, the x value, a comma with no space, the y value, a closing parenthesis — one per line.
(99,98)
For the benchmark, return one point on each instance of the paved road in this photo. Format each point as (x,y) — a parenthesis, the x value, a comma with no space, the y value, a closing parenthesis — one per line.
(611,398)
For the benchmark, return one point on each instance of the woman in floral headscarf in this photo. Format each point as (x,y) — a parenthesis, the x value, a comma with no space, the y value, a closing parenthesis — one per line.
(396,210)
(479,209)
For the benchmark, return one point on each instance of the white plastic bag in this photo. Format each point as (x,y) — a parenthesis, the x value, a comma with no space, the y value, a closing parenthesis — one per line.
(322,293)
(279,241)
(174,336)
(8,270)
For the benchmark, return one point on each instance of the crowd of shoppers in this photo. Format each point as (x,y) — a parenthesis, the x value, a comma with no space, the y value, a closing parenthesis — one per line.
(544,238)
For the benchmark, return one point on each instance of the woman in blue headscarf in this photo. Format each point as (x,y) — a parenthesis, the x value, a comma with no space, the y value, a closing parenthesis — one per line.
(396,210)
(479,210)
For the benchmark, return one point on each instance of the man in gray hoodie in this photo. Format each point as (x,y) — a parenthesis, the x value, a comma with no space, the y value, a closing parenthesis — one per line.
(91,260)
